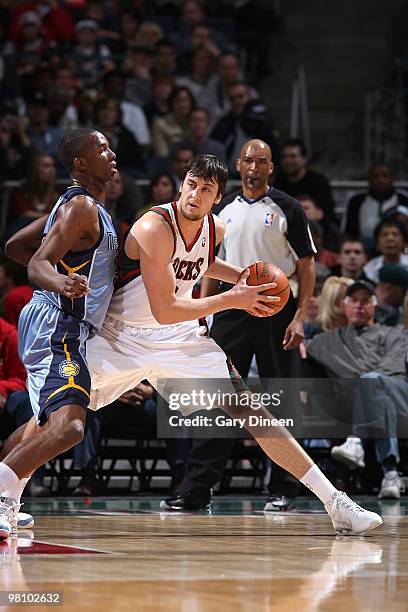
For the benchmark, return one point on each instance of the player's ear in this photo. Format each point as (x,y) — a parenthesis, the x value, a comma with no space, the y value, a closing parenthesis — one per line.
(271,168)
(239,165)
(218,198)
(80,164)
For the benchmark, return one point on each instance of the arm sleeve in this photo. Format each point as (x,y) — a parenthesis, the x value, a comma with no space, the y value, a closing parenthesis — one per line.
(298,234)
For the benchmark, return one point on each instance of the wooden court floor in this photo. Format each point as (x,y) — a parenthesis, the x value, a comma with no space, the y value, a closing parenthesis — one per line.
(124,554)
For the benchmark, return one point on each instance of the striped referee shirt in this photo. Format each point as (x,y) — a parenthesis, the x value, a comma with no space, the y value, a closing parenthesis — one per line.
(272,228)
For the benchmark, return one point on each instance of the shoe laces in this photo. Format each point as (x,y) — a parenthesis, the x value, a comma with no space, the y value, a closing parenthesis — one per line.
(343,502)
(8,506)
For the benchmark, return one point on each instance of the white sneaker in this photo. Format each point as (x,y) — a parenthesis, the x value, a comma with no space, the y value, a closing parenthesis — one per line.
(24,520)
(349,518)
(391,486)
(9,512)
(351,452)
(6,522)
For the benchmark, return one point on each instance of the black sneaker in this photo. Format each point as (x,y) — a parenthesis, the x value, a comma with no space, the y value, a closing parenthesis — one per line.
(186,502)
(279,503)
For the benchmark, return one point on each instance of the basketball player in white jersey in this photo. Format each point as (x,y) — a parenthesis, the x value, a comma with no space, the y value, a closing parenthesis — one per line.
(151,329)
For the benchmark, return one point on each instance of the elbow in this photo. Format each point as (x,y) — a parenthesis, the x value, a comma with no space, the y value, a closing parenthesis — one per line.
(10,249)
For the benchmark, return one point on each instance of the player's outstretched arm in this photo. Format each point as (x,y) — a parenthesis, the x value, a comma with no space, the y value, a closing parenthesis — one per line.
(152,242)
(75,220)
(24,243)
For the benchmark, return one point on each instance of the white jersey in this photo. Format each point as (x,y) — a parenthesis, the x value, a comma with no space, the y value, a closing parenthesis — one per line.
(130,303)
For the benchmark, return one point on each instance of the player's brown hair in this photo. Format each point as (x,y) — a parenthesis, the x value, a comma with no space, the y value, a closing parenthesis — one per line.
(210,168)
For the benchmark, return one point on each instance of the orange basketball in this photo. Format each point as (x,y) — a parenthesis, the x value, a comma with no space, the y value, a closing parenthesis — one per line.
(262,273)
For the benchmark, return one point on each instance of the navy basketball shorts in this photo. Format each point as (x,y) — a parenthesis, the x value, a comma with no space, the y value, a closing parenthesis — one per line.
(52,349)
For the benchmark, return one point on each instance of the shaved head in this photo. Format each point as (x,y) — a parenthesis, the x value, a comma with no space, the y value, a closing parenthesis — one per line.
(255,167)
(259,145)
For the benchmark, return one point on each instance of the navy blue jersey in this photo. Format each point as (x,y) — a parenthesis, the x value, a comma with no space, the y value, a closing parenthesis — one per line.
(96,263)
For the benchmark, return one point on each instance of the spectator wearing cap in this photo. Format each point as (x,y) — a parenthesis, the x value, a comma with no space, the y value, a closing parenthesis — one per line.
(247,119)
(91,56)
(365,210)
(351,259)
(43,137)
(391,291)
(374,355)
(198,139)
(391,239)
(55,20)
(29,44)
(295,177)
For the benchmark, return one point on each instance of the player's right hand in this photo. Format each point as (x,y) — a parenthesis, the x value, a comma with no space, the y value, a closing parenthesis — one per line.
(74,286)
(250,298)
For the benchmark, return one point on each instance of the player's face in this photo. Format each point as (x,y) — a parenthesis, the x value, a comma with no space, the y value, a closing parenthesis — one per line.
(197,197)
(255,166)
(100,159)
(359,308)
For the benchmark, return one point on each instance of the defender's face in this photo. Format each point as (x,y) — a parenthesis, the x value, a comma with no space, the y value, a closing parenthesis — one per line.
(197,197)
(100,159)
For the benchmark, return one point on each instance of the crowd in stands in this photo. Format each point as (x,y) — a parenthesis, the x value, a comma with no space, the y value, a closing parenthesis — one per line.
(165,81)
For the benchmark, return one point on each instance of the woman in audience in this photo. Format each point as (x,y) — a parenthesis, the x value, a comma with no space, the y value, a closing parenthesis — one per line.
(330,313)
(123,199)
(36,196)
(173,127)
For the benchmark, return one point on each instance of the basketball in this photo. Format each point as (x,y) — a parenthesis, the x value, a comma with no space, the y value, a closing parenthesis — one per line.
(261,273)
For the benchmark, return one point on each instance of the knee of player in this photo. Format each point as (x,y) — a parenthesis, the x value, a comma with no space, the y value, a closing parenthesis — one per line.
(72,432)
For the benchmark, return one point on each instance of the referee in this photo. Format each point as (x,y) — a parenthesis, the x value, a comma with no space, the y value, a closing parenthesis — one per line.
(265,224)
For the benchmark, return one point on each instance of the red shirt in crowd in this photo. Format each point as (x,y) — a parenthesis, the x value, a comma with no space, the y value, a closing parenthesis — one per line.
(14,301)
(12,372)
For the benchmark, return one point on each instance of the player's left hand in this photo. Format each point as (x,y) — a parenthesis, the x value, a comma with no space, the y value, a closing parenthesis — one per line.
(294,335)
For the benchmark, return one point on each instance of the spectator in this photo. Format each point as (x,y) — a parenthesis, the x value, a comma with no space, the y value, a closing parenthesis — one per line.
(162,189)
(246,119)
(391,291)
(202,72)
(15,145)
(159,105)
(14,289)
(129,153)
(173,127)
(374,355)
(29,44)
(85,110)
(178,162)
(391,239)
(43,137)
(149,34)
(315,213)
(62,113)
(123,199)
(215,97)
(138,67)
(331,314)
(55,20)
(365,210)
(198,139)
(36,196)
(165,60)
(192,13)
(92,57)
(312,325)
(130,21)
(295,177)
(351,259)
(133,117)
(324,258)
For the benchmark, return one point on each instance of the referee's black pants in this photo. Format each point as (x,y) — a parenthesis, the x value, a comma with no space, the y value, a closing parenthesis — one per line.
(242,336)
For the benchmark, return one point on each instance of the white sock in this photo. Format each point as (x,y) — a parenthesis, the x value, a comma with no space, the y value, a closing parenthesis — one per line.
(316,481)
(16,491)
(8,478)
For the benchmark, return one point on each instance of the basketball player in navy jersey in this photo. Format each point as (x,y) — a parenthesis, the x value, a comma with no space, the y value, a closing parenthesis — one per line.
(74,266)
